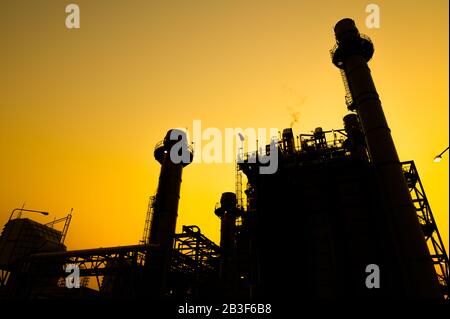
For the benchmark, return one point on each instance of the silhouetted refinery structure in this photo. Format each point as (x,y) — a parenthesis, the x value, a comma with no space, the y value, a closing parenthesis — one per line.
(340,203)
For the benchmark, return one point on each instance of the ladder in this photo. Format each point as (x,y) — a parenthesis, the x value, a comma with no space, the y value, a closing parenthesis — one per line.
(148,221)
(348,94)
(66,226)
(238,180)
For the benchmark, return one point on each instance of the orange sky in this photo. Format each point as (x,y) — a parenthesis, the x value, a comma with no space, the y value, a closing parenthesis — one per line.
(81,110)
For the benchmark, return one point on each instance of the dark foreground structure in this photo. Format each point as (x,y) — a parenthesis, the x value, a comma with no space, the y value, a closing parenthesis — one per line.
(340,203)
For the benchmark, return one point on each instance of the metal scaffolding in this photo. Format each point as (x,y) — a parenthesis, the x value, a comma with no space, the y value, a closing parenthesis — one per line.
(65,229)
(429,227)
(91,262)
(193,255)
(197,254)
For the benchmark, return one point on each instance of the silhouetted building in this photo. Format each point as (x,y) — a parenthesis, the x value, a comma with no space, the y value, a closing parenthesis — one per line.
(339,201)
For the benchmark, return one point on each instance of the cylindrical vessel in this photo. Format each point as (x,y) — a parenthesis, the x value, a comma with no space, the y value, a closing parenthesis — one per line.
(228,212)
(416,270)
(165,208)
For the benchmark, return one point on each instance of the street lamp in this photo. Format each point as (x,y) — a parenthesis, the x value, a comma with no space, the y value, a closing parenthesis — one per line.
(26,210)
(438,158)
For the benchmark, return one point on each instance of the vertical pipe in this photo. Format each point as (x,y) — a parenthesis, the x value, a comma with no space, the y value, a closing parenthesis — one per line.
(352,53)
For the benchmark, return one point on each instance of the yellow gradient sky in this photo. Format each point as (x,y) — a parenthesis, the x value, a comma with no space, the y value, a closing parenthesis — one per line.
(81,110)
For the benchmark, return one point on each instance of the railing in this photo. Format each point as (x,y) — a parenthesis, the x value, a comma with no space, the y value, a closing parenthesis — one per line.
(332,143)
(336,45)
(161,144)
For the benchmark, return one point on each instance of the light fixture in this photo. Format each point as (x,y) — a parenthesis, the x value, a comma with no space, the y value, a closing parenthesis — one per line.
(438,158)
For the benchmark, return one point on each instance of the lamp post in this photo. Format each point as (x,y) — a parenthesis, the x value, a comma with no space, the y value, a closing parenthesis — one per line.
(26,210)
(438,158)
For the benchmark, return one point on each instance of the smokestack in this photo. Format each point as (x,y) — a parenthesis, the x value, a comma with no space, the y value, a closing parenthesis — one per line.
(351,54)
(228,212)
(165,210)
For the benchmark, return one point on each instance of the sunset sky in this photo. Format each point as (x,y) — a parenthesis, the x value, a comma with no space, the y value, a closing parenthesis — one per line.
(81,109)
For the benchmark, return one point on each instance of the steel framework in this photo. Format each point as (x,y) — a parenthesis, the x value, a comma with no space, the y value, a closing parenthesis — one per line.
(91,262)
(65,229)
(197,254)
(193,255)
(429,227)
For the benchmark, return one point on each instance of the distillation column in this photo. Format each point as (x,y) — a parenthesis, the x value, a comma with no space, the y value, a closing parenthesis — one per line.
(173,153)
(416,271)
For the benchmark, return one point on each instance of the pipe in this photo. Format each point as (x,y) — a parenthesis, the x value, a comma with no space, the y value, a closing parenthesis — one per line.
(351,54)
(26,210)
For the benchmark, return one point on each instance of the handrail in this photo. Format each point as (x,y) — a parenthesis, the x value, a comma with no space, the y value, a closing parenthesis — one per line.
(161,144)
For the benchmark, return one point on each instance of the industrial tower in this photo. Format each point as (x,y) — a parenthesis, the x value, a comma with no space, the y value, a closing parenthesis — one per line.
(340,200)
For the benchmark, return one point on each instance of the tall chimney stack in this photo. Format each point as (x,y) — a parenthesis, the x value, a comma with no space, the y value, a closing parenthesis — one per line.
(351,54)
(228,212)
(169,153)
